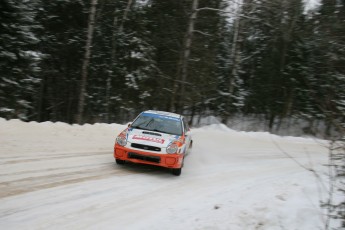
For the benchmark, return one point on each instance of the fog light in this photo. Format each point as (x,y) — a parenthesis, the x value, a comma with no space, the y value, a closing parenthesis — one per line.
(119,152)
(170,160)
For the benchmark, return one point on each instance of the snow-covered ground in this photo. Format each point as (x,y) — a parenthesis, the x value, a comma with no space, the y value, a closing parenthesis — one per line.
(60,176)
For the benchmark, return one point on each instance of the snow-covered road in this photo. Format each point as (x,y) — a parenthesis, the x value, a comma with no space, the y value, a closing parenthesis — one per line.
(58,176)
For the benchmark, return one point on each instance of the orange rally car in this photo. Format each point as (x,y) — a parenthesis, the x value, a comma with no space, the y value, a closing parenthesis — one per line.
(155,138)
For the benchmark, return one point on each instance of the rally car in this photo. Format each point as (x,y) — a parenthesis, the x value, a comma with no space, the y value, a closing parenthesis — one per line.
(155,138)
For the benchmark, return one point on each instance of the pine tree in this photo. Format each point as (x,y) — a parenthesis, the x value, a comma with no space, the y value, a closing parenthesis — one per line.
(19,58)
(123,69)
(270,45)
(62,38)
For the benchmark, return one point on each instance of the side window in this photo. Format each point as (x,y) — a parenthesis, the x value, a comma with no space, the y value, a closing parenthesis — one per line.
(185,125)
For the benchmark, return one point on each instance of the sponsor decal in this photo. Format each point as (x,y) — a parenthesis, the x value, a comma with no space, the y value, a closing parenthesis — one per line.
(146,138)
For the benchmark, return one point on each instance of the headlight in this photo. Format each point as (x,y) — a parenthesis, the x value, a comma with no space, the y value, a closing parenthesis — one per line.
(121,140)
(172,148)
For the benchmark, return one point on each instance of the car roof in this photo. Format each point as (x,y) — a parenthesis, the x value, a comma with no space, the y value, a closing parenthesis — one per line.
(163,113)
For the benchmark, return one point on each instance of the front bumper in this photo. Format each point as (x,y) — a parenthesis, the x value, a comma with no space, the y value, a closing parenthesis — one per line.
(138,156)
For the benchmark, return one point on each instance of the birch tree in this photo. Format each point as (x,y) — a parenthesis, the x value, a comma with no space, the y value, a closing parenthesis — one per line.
(234,60)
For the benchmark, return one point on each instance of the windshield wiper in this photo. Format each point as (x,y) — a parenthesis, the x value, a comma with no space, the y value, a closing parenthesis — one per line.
(157,130)
(163,132)
(137,127)
(144,124)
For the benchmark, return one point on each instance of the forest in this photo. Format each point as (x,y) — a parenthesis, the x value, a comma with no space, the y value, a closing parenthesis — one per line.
(279,63)
(87,61)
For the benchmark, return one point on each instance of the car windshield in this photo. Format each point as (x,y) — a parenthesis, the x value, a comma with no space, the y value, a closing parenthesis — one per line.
(158,123)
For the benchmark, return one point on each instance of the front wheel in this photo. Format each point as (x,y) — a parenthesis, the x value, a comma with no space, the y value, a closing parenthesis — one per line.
(119,162)
(176,172)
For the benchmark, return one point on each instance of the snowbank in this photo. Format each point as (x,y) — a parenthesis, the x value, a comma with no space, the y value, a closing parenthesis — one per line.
(63,176)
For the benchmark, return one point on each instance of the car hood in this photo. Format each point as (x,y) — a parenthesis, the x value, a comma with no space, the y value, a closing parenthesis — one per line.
(152,138)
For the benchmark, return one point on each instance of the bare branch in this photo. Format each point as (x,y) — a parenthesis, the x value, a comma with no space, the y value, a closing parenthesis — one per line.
(200,32)
(227,12)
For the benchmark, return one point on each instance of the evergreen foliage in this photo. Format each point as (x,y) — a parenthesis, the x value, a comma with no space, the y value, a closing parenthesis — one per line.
(19,58)
(270,59)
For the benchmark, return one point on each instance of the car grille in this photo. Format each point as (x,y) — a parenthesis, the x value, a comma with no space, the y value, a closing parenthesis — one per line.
(146,147)
(144,158)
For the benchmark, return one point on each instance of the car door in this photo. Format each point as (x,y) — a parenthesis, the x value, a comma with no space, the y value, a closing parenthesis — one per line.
(188,134)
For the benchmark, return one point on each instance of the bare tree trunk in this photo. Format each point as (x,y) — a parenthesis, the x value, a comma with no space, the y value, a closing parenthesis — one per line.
(183,62)
(235,60)
(112,60)
(116,30)
(40,111)
(234,55)
(84,72)
(188,44)
(125,15)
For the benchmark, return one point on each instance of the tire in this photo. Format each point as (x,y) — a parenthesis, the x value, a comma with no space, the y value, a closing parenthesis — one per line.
(119,162)
(176,172)
(189,150)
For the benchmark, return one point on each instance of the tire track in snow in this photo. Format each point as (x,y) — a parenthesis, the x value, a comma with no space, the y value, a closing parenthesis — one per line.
(70,170)
(21,159)
(32,184)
